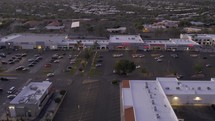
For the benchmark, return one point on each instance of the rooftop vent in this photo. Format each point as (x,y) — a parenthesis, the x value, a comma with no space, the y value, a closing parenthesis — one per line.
(208,88)
(155,108)
(178,88)
(153,102)
(167,88)
(33,87)
(199,88)
(157,115)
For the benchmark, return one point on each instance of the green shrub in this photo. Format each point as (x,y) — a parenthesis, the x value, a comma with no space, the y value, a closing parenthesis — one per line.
(57,100)
(62,92)
(115,82)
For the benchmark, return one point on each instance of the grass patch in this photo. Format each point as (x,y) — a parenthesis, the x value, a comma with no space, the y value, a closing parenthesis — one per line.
(92,71)
(115,82)
(75,66)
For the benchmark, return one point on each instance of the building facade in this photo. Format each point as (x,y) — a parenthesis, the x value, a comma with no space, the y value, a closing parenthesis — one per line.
(147,100)
(31,100)
(114,42)
(202,39)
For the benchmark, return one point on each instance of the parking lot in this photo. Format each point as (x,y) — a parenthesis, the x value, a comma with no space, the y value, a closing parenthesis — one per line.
(93,97)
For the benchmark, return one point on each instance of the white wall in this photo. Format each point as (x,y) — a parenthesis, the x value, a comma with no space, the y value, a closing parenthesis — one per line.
(189,99)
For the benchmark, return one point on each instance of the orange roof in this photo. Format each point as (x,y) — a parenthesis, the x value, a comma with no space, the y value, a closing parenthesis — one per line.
(54,23)
(125,84)
(129,114)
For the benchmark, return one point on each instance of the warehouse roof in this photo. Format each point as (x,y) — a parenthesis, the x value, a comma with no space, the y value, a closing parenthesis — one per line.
(148,101)
(49,38)
(32,93)
(125,39)
(173,86)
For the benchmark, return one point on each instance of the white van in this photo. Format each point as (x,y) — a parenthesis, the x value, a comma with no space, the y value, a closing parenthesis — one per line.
(11,90)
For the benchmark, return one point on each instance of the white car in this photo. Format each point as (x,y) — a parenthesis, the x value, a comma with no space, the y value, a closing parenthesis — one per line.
(47,79)
(56,61)
(161,56)
(137,67)
(159,60)
(11,96)
(50,74)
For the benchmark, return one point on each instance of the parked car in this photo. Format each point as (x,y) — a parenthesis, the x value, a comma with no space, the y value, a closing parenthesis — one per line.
(98,64)
(30,65)
(11,90)
(138,66)
(25,69)
(47,65)
(12,96)
(20,68)
(159,60)
(50,74)
(56,61)
(4,62)
(4,79)
(98,61)
(208,65)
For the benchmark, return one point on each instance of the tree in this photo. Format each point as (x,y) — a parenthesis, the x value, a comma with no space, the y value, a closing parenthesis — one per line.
(124,66)
(87,54)
(79,45)
(95,45)
(198,68)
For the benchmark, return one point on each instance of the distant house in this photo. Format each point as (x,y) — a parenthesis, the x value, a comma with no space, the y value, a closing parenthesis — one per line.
(197,23)
(32,24)
(31,100)
(117,30)
(192,30)
(55,25)
(164,24)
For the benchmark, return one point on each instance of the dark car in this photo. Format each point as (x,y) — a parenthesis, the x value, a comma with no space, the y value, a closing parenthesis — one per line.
(30,65)
(3,62)
(4,79)
(20,68)
(98,61)
(100,56)
(48,65)
(2,55)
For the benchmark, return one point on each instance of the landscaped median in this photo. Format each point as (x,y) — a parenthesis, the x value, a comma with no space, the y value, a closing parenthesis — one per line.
(54,106)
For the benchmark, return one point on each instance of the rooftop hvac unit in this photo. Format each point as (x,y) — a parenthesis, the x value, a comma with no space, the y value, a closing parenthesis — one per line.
(199,88)
(157,115)
(167,88)
(33,87)
(155,108)
(178,88)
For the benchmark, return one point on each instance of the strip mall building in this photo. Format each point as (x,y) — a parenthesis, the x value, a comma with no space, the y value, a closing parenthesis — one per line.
(114,42)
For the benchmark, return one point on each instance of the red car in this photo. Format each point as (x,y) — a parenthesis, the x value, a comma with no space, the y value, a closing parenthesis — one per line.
(48,65)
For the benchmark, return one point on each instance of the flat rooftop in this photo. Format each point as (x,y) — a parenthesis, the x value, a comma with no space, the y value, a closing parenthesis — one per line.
(148,101)
(125,39)
(172,42)
(173,86)
(49,38)
(32,93)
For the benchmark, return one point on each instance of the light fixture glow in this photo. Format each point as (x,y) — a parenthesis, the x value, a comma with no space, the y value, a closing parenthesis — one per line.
(11,107)
(197,98)
(175,98)
(39,47)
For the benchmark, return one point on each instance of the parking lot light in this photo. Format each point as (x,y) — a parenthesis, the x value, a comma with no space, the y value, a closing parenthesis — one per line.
(175,98)
(197,99)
